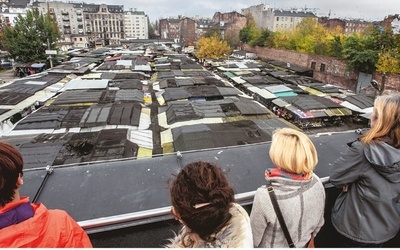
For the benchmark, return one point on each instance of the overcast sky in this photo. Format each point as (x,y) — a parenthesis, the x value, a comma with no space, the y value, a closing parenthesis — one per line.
(370,10)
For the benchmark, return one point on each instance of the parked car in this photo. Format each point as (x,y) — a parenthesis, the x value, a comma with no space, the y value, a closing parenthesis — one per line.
(6,65)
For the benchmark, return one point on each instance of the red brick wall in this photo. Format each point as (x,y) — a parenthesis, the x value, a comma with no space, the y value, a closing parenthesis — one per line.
(392,82)
(335,69)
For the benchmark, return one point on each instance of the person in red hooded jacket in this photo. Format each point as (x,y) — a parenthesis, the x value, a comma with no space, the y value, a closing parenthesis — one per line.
(23,224)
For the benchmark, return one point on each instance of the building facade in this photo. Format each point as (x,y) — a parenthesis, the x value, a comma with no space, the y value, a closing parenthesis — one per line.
(10,9)
(347,27)
(277,20)
(169,28)
(287,20)
(85,25)
(136,24)
(187,34)
(104,24)
(262,14)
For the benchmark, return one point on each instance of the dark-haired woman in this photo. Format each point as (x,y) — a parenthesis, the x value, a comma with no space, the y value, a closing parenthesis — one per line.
(27,225)
(367,212)
(203,202)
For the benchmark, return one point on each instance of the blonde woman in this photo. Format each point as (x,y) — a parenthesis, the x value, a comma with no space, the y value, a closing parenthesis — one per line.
(367,212)
(299,193)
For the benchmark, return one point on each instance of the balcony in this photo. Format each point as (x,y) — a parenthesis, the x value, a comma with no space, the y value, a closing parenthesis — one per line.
(63,12)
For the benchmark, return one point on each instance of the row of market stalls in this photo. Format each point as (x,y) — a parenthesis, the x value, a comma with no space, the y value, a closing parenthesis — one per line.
(298,98)
(160,102)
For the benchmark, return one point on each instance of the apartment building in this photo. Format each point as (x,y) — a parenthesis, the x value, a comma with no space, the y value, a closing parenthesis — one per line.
(104,24)
(85,25)
(136,24)
(230,24)
(187,34)
(272,19)
(348,27)
(169,28)
(9,11)
(261,13)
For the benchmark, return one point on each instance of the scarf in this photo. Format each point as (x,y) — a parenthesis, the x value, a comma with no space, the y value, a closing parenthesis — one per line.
(16,215)
(277,172)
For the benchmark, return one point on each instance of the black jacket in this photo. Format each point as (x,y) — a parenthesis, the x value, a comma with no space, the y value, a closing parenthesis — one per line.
(370,211)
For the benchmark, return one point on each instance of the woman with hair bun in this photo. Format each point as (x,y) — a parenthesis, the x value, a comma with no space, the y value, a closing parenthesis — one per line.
(203,201)
(367,212)
(299,194)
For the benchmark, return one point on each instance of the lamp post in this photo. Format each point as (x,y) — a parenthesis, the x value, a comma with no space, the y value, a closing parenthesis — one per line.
(50,52)
(377,86)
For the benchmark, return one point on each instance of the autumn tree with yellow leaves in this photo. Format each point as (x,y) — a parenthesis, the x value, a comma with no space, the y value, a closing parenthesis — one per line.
(212,47)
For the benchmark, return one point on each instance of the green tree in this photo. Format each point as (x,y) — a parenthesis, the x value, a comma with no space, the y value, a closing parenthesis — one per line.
(30,37)
(336,46)
(212,47)
(360,53)
(152,27)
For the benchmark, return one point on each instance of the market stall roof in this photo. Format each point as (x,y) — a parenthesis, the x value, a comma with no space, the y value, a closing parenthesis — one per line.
(311,102)
(280,102)
(361,101)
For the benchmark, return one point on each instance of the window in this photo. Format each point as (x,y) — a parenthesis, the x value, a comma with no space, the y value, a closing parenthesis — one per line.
(277,18)
(80,39)
(322,68)
(313,64)
(336,69)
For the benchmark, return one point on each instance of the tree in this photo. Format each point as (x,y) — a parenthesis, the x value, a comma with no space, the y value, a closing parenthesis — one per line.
(359,54)
(212,47)
(388,62)
(212,31)
(30,37)
(152,33)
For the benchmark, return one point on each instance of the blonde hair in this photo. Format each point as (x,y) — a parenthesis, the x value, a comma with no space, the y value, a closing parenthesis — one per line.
(293,151)
(387,123)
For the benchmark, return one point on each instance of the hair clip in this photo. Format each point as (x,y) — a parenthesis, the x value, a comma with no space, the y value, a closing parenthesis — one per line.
(201,205)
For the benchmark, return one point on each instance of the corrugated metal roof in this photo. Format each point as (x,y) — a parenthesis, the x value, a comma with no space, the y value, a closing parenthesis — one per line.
(78,96)
(181,111)
(208,109)
(280,103)
(143,138)
(250,108)
(125,114)
(74,116)
(96,115)
(172,94)
(42,119)
(145,119)
(311,102)
(228,91)
(288,93)
(76,84)
(129,95)
(361,101)
(278,88)
(166,136)
(186,81)
(125,63)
